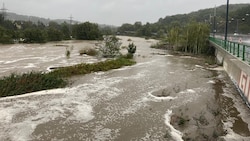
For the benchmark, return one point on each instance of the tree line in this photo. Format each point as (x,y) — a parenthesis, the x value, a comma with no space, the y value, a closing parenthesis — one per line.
(28,32)
(206,16)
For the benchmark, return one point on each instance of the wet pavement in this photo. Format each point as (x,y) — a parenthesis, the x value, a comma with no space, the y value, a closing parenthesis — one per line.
(162,97)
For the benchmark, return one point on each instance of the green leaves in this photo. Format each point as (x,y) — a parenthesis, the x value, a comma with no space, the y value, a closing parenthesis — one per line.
(131,48)
(191,38)
(111,47)
(87,31)
(36,81)
(28,82)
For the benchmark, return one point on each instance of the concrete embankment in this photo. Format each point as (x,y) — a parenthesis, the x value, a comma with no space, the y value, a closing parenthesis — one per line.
(238,70)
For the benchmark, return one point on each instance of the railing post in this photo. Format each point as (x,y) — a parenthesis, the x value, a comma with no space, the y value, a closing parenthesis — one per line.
(230,48)
(243,55)
(238,50)
(227,45)
(234,49)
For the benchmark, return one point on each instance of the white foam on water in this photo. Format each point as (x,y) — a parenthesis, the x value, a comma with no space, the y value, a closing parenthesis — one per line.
(22,59)
(30,65)
(135,105)
(231,135)
(40,93)
(169,55)
(20,115)
(14,61)
(211,82)
(105,134)
(188,96)
(217,68)
(157,98)
(176,135)
(199,66)
(188,91)
(17,47)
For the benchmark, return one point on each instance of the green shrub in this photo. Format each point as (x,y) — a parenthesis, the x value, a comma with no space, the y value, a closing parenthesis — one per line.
(111,47)
(88,51)
(29,82)
(36,81)
(131,48)
(81,69)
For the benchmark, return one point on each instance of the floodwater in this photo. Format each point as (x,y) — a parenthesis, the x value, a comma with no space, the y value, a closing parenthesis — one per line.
(162,97)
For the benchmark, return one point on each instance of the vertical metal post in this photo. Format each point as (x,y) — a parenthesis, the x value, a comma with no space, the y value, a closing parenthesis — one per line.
(234,49)
(230,49)
(243,53)
(238,50)
(227,45)
(226,22)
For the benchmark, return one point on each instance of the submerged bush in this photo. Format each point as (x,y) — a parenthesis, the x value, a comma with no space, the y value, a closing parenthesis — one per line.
(88,51)
(81,69)
(29,82)
(111,47)
(36,81)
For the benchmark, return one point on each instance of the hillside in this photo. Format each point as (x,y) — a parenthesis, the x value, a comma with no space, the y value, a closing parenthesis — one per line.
(237,11)
(34,19)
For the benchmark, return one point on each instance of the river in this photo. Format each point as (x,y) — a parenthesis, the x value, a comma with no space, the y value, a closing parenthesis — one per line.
(162,97)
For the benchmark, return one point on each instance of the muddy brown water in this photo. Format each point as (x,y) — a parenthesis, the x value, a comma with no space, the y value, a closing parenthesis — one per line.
(162,97)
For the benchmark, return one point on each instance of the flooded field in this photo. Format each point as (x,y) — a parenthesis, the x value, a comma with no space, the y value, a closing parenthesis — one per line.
(163,97)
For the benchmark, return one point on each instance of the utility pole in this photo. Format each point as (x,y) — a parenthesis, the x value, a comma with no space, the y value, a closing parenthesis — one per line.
(214,23)
(3,11)
(226,22)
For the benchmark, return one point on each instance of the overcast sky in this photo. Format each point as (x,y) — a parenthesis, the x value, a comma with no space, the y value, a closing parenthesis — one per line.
(112,12)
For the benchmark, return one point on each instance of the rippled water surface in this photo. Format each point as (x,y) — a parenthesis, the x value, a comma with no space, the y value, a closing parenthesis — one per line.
(132,103)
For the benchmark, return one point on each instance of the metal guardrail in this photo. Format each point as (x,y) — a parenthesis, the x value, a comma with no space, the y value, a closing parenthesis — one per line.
(239,50)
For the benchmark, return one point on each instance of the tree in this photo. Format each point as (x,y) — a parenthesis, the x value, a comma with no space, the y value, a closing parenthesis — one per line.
(65,31)
(34,36)
(87,31)
(111,47)
(5,36)
(174,34)
(54,34)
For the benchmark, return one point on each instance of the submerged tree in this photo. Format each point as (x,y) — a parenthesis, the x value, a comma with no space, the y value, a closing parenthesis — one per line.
(111,47)
(192,38)
(174,34)
(131,50)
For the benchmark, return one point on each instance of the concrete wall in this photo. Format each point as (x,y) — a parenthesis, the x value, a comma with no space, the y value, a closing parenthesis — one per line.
(238,70)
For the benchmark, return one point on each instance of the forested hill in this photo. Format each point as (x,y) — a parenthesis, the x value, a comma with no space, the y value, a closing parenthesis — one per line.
(204,14)
(17,17)
(237,11)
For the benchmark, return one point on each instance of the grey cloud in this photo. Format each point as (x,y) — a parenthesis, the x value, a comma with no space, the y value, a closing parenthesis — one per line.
(113,12)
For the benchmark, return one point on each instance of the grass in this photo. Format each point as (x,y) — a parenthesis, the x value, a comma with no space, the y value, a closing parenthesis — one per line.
(37,81)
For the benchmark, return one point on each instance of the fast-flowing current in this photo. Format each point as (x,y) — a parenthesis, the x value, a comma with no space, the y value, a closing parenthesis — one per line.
(162,97)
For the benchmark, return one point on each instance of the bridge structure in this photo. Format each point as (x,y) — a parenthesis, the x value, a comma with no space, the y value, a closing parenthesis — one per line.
(234,56)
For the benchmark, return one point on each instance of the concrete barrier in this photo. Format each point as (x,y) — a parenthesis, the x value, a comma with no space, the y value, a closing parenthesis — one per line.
(238,70)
